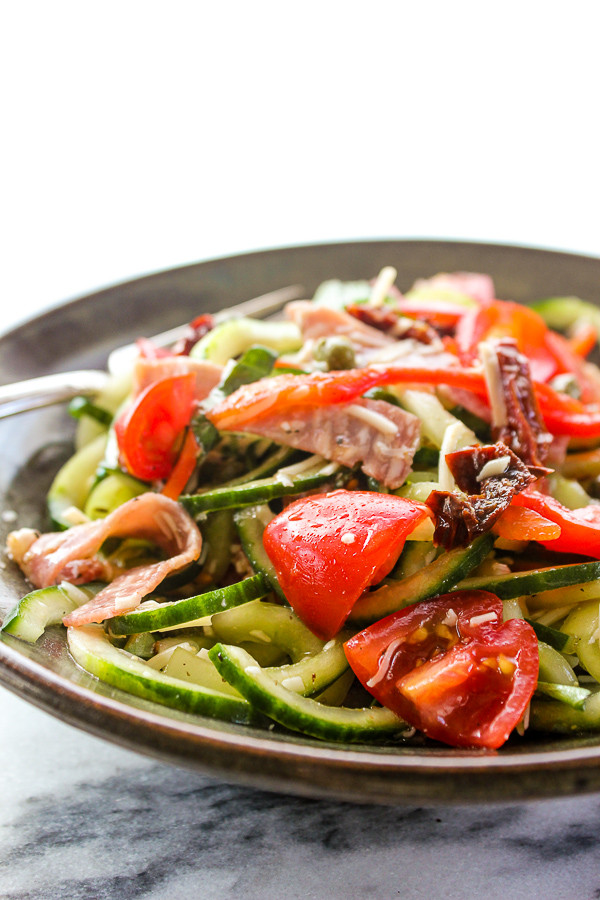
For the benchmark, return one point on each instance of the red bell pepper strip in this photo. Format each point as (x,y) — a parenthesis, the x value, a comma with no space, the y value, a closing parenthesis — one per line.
(290,392)
(584,339)
(517,523)
(563,415)
(501,319)
(183,469)
(579,528)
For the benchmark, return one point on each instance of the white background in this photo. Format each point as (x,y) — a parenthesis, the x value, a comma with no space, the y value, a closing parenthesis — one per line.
(141,135)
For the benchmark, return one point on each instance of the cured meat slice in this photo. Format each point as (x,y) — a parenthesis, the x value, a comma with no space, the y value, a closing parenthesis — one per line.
(375,433)
(71,555)
(148,371)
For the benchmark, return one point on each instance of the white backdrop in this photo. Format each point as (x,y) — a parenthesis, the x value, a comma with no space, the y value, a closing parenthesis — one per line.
(141,135)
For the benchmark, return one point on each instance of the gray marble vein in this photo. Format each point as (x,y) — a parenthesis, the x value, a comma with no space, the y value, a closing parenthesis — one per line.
(84,819)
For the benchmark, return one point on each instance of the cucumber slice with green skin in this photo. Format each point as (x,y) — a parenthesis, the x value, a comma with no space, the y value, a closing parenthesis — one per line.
(218,534)
(568,491)
(558,640)
(561,312)
(278,460)
(189,610)
(188,667)
(553,716)
(231,338)
(251,522)
(536,581)
(567,693)
(73,482)
(584,625)
(298,713)
(93,651)
(293,480)
(554,668)
(110,492)
(141,645)
(44,607)
(268,623)
(414,557)
(313,674)
(441,575)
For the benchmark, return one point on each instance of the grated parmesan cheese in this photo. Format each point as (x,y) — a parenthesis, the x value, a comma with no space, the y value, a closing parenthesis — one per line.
(384,663)
(294,684)
(484,617)
(348,538)
(493,381)
(383,283)
(494,467)
(260,636)
(374,419)
(74,516)
(74,593)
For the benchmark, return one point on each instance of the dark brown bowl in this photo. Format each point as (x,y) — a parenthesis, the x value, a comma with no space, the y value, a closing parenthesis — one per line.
(81,333)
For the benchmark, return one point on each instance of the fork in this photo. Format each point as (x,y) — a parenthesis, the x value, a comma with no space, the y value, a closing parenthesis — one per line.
(22,396)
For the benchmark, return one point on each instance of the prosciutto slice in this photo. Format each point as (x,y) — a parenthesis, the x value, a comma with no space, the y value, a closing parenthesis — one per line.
(148,371)
(378,434)
(320,321)
(71,555)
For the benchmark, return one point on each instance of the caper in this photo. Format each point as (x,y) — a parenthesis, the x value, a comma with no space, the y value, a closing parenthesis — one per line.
(336,352)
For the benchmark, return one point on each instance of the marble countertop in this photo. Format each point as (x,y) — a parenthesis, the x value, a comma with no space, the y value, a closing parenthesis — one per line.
(86,820)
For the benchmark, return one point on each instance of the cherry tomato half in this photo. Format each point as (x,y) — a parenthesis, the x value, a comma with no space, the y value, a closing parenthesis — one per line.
(327,549)
(151,428)
(450,667)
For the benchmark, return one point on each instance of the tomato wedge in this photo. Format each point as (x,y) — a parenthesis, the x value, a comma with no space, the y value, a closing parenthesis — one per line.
(328,548)
(450,667)
(579,528)
(151,428)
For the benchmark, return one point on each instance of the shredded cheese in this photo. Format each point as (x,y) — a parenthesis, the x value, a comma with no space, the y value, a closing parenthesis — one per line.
(383,283)
(74,593)
(456,436)
(259,635)
(384,663)
(294,683)
(376,420)
(493,381)
(494,467)
(348,538)
(450,618)
(484,617)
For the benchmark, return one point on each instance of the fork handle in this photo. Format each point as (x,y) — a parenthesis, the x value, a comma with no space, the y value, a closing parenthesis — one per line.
(49,389)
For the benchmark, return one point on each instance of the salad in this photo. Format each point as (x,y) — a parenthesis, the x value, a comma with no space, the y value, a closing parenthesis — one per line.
(376,519)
